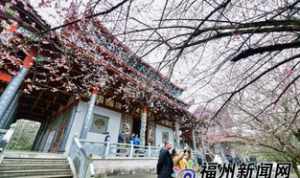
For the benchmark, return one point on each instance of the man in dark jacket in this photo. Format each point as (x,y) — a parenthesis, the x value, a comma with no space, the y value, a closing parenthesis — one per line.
(164,167)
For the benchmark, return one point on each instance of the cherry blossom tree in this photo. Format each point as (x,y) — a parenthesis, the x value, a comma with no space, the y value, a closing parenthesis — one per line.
(232,50)
(272,128)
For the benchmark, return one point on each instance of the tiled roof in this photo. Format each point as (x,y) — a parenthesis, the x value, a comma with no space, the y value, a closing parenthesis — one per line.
(71,67)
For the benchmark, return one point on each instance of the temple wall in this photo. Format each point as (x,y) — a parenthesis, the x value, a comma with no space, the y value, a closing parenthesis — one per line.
(113,124)
(163,132)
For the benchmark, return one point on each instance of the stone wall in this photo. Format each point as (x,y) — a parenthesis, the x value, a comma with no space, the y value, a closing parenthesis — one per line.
(117,167)
(24,135)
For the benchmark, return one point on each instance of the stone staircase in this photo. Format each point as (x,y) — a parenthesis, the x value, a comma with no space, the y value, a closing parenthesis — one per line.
(34,165)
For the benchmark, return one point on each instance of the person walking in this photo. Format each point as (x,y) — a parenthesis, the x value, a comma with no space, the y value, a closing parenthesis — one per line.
(164,167)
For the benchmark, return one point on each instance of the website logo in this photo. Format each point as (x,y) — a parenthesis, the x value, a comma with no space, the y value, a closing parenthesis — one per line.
(186,173)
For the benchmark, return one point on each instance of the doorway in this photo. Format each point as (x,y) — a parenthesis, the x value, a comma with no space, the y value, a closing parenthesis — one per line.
(136,127)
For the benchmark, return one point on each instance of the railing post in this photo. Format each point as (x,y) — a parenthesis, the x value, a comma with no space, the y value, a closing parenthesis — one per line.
(90,173)
(107,147)
(149,151)
(5,140)
(131,150)
(88,169)
(8,135)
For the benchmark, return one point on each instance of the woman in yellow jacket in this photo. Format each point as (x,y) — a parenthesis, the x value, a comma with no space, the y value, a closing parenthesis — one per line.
(178,162)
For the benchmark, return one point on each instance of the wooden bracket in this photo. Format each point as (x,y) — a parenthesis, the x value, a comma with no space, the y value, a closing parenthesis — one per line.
(145,109)
(5,77)
(29,61)
(94,90)
(13,27)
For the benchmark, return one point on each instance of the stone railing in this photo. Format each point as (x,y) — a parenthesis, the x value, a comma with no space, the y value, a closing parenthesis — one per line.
(81,160)
(84,153)
(119,150)
(5,137)
(2,133)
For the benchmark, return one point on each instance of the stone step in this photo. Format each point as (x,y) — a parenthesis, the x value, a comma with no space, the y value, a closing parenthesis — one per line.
(33,155)
(8,162)
(46,176)
(35,172)
(37,161)
(28,166)
(34,165)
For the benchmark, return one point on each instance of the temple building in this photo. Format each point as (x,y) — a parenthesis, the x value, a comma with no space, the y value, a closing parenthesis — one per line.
(81,81)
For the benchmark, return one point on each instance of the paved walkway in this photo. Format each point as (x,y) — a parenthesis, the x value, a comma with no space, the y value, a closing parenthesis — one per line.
(134,176)
(154,176)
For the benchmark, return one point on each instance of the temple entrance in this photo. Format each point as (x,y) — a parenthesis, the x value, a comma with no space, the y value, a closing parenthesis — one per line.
(136,127)
(42,121)
(24,135)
